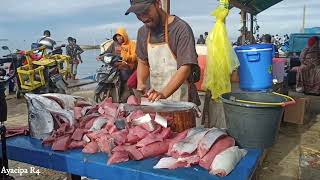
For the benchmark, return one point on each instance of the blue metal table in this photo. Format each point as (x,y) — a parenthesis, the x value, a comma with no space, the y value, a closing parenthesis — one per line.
(31,151)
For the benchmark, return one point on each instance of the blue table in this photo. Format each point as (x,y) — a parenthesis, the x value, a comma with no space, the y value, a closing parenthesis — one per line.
(28,150)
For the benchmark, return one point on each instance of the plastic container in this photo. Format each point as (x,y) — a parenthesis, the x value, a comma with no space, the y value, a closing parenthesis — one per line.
(202,59)
(278,66)
(253,125)
(255,69)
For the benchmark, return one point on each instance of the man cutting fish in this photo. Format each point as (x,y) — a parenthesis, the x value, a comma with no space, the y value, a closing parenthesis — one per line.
(166,54)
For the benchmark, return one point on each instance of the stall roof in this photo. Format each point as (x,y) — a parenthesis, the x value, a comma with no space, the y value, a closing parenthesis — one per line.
(253,6)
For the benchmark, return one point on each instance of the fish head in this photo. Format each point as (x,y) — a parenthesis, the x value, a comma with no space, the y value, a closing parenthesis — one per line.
(40,120)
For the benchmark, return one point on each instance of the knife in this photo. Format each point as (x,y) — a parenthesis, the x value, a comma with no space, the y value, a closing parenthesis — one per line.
(138,94)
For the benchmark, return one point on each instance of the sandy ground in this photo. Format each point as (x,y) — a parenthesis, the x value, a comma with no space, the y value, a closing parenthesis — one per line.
(281,162)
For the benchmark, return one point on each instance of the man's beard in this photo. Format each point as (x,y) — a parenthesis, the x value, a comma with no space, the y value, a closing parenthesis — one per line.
(159,26)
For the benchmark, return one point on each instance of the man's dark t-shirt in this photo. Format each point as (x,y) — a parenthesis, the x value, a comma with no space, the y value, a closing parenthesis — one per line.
(181,42)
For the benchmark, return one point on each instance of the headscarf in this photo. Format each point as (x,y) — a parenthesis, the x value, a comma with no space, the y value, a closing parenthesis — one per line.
(312,40)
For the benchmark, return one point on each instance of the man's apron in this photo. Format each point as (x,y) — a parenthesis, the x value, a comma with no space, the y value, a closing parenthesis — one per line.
(163,66)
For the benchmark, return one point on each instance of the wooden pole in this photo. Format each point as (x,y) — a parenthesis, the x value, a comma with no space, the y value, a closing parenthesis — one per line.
(244,26)
(251,29)
(166,6)
(304,18)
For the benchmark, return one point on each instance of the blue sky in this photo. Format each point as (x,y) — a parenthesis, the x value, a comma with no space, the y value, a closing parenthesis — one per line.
(91,21)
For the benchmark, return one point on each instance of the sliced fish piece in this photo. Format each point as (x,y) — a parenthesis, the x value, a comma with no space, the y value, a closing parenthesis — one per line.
(167,163)
(161,120)
(226,161)
(98,124)
(208,140)
(190,143)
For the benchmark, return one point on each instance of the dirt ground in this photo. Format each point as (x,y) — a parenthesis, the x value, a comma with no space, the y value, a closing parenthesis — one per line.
(280,163)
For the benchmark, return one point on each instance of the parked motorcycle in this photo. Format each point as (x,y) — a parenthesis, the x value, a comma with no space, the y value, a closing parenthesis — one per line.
(36,79)
(108,78)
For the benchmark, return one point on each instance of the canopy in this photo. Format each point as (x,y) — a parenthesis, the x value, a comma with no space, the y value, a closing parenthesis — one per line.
(253,6)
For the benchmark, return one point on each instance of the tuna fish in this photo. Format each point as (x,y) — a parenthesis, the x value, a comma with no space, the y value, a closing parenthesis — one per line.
(41,122)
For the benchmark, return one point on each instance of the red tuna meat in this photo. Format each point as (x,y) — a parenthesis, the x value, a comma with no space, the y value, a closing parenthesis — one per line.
(76,144)
(61,144)
(94,109)
(97,134)
(106,144)
(133,139)
(220,145)
(70,130)
(109,109)
(48,141)
(63,128)
(140,132)
(166,133)
(157,130)
(133,152)
(105,102)
(91,148)
(177,138)
(208,140)
(133,100)
(87,118)
(155,149)
(120,136)
(78,134)
(149,139)
(89,124)
(77,112)
(110,127)
(135,115)
(118,156)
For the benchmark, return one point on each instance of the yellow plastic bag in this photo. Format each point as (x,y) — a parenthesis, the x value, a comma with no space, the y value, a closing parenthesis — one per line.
(221,57)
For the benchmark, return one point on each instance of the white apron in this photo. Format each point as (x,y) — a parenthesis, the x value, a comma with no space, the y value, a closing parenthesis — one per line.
(163,65)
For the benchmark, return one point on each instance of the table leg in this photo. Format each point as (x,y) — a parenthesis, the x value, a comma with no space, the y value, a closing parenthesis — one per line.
(73,177)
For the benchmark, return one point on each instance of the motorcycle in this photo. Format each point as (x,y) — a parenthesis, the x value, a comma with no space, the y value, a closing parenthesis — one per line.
(36,79)
(108,78)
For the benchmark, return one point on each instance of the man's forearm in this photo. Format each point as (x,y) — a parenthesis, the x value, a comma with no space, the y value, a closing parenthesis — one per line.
(142,74)
(177,80)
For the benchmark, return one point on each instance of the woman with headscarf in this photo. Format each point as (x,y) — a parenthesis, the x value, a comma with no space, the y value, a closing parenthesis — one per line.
(308,73)
(126,49)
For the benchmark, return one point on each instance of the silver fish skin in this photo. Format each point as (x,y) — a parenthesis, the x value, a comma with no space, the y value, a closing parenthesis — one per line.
(191,142)
(67,100)
(41,123)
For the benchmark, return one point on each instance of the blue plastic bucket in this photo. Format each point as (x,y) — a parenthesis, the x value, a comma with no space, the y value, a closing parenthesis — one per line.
(255,70)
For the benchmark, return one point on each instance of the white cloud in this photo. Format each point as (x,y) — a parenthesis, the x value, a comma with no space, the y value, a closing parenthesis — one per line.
(35,9)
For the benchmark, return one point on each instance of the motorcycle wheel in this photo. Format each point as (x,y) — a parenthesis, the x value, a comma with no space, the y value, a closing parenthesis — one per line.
(102,95)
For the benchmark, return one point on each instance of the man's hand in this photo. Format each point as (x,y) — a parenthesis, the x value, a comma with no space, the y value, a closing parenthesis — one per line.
(154,95)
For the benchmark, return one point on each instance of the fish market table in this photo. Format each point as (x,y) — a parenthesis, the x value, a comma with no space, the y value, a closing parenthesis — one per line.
(31,151)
